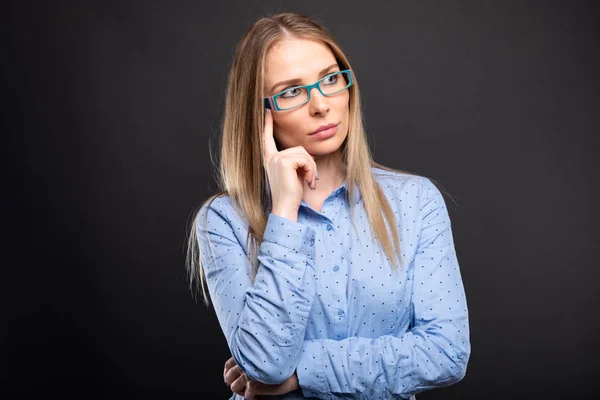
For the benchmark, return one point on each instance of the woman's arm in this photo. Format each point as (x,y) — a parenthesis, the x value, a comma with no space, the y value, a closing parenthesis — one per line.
(264,323)
(434,353)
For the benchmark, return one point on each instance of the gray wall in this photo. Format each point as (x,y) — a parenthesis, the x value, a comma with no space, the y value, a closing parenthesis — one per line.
(108,110)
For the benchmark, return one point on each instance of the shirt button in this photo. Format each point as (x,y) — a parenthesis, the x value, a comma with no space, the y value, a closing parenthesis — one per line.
(341,313)
(329,227)
(336,268)
(312,242)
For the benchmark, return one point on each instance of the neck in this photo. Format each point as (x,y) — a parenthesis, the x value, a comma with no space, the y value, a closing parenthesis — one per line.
(331,174)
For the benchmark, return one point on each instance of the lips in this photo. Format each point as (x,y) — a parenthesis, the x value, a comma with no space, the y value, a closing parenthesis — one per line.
(325,127)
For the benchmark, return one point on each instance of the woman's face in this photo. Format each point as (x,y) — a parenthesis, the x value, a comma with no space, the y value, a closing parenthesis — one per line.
(305,60)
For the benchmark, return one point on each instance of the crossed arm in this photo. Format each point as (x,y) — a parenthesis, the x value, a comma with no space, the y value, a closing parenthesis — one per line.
(265,330)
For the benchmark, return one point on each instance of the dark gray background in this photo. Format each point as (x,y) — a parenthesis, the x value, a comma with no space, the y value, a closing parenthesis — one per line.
(107,113)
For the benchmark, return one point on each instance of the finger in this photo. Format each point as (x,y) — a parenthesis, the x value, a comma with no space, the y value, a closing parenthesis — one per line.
(251,393)
(225,368)
(232,374)
(269,142)
(302,150)
(239,385)
(316,172)
(230,363)
(302,162)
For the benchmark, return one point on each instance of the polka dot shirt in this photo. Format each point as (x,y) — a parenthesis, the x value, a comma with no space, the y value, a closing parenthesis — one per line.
(327,303)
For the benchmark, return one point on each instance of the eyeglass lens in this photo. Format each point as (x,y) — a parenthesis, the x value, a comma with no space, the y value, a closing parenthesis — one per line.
(295,97)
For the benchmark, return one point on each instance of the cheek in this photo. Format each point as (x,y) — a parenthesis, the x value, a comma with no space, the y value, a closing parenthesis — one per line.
(287,128)
(342,103)
(288,123)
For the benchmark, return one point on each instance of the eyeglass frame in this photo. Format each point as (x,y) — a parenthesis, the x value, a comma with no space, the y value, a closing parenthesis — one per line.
(270,102)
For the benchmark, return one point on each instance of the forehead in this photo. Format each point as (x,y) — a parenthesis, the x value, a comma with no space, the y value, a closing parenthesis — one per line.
(296,58)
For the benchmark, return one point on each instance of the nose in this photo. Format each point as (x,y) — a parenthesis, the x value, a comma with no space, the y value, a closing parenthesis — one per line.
(318,103)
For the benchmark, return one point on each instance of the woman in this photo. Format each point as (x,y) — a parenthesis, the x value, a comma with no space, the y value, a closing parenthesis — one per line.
(317,297)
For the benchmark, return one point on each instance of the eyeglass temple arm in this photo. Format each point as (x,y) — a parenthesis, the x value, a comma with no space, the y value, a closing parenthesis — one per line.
(269,103)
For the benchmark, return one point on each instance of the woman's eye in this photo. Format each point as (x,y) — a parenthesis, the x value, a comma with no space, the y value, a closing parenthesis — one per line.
(331,79)
(293,92)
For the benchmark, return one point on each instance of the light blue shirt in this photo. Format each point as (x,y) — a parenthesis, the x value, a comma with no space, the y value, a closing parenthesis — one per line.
(327,303)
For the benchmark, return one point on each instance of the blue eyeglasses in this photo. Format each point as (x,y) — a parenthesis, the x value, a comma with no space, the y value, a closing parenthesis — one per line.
(297,96)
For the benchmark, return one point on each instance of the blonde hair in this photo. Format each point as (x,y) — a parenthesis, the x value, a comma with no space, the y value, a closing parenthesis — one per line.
(241,173)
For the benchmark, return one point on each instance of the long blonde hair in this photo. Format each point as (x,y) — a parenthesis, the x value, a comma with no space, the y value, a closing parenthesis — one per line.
(241,173)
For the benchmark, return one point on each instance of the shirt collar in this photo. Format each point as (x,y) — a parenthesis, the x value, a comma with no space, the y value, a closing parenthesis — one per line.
(343,188)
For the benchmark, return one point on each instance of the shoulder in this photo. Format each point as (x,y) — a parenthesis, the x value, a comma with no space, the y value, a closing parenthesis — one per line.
(218,204)
(218,211)
(400,182)
(407,190)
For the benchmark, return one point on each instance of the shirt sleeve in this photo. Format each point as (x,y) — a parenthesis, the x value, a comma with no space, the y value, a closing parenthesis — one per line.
(433,354)
(264,323)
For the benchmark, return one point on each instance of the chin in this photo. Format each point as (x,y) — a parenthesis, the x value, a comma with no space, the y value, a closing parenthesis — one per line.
(323,148)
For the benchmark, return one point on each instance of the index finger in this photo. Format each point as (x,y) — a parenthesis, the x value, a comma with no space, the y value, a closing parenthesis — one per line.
(269,143)
(230,363)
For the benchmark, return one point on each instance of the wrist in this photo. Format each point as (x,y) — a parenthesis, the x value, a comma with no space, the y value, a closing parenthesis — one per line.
(286,213)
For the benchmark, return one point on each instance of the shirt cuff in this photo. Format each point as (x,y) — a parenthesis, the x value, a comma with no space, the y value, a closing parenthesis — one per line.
(291,234)
(311,377)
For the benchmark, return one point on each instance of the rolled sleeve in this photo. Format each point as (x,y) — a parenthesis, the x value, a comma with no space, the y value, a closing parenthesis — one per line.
(293,235)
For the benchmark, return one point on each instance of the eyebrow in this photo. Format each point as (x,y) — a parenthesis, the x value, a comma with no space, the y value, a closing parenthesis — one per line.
(297,80)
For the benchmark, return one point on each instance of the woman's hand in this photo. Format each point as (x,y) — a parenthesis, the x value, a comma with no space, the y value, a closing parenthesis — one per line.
(235,378)
(286,171)
(249,388)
